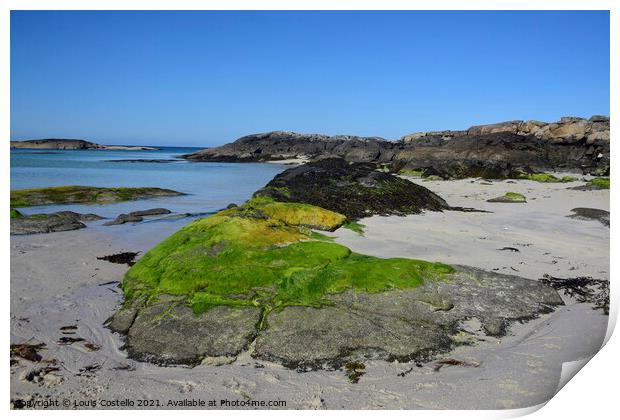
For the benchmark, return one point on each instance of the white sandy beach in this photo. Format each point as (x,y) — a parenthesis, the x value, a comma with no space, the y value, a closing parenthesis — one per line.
(56,280)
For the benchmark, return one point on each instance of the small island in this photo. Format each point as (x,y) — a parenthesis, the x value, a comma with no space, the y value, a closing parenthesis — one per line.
(71,144)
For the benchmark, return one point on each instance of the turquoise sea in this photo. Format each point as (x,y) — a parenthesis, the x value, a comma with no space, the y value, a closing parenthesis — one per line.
(210,186)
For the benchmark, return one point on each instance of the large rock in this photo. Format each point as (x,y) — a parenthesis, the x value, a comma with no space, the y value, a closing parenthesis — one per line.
(354,189)
(401,325)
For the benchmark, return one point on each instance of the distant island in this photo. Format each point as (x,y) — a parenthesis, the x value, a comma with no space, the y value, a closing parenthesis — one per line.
(71,144)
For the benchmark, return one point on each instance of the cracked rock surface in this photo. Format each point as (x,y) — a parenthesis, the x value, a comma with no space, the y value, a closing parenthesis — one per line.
(403,325)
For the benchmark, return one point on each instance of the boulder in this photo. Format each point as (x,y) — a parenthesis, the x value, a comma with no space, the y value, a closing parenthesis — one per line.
(124,218)
(354,189)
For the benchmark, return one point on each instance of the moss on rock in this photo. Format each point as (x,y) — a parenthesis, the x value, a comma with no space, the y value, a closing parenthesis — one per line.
(544,177)
(75,194)
(261,254)
(509,197)
(600,183)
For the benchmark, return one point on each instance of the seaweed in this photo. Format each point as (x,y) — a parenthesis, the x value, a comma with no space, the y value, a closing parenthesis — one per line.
(27,351)
(354,371)
(121,258)
(583,290)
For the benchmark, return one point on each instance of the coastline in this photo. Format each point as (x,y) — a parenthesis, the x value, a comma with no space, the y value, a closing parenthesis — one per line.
(56,280)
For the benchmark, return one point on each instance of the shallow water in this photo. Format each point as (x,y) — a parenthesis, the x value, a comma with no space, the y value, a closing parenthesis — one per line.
(210,186)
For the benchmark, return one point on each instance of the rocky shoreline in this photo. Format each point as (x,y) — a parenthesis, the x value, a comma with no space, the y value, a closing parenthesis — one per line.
(500,150)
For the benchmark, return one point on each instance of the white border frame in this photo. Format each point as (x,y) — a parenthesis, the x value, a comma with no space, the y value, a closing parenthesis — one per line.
(592,394)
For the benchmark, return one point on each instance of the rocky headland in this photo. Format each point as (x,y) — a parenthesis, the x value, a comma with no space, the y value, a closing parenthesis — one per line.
(503,150)
(70,144)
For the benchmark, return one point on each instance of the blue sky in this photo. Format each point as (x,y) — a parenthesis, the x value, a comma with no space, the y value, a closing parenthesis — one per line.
(206,78)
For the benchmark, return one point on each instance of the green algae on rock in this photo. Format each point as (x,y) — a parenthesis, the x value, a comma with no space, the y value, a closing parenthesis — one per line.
(15,213)
(261,254)
(594,184)
(257,277)
(600,183)
(247,261)
(509,197)
(544,177)
(75,194)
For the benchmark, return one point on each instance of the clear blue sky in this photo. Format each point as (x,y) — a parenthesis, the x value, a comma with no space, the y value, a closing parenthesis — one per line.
(206,78)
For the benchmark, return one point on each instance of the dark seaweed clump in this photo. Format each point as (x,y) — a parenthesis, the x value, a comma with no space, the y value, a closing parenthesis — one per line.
(121,258)
(583,290)
(356,190)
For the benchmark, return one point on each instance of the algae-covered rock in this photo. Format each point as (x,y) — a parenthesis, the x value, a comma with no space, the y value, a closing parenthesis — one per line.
(80,194)
(356,190)
(509,197)
(256,271)
(241,264)
(544,177)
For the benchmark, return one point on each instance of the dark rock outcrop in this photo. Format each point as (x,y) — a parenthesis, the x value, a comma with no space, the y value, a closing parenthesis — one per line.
(51,222)
(356,190)
(490,151)
(280,145)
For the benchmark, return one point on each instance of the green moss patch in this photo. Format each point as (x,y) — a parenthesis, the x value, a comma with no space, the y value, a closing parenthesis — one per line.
(509,197)
(354,226)
(15,213)
(80,194)
(602,183)
(253,255)
(544,177)
(298,214)
(514,196)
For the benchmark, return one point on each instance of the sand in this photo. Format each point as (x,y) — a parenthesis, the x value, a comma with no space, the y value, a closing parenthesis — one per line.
(56,280)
